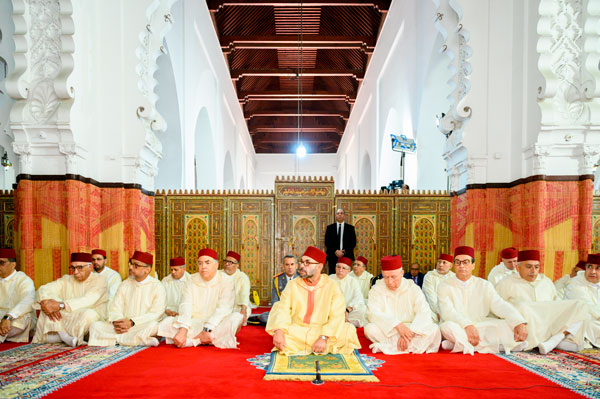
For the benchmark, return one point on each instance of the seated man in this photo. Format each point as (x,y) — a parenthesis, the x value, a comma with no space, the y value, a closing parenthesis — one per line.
(206,315)
(71,304)
(355,303)
(586,288)
(310,317)
(561,283)
(415,274)
(399,318)
(433,279)
(549,319)
(241,282)
(113,278)
(466,302)
(504,268)
(173,284)
(360,273)
(135,310)
(17,294)
(290,272)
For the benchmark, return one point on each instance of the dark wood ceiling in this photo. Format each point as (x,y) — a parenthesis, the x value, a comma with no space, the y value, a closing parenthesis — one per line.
(260,41)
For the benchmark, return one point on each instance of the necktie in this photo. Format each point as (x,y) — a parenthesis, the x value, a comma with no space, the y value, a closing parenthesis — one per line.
(339,230)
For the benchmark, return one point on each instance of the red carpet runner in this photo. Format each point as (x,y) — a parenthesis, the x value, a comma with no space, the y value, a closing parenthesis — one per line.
(167,372)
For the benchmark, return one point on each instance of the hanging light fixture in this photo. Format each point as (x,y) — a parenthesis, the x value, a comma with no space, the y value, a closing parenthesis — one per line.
(5,161)
(300,149)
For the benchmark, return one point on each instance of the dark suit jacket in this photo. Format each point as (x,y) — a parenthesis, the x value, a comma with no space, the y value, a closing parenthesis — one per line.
(420,278)
(333,243)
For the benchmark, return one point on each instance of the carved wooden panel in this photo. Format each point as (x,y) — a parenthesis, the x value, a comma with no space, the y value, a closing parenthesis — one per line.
(161,262)
(373,220)
(194,221)
(303,209)
(250,233)
(423,228)
(596,224)
(7,219)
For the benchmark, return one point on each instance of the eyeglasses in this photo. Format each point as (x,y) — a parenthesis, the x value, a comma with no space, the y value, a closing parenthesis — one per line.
(229,262)
(465,262)
(138,265)
(4,262)
(78,268)
(307,262)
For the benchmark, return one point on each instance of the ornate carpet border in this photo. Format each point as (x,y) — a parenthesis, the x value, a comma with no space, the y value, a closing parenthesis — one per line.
(558,378)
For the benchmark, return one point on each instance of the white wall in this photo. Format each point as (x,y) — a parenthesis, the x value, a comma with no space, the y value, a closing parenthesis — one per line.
(402,92)
(268,166)
(210,124)
(7,47)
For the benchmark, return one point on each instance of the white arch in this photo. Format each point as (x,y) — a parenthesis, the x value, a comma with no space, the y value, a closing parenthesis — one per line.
(170,167)
(365,172)
(228,182)
(204,153)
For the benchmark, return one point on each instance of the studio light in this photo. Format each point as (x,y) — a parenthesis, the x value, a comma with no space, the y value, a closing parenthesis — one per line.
(300,151)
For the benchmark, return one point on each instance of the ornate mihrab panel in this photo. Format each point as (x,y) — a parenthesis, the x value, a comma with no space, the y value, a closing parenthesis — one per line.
(596,225)
(373,218)
(193,222)
(161,262)
(422,228)
(250,233)
(7,219)
(303,209)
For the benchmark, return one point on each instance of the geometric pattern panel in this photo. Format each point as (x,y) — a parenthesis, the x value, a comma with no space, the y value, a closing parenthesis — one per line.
(305,233)
(250,233)
(374,223)
(196,238)
(423,240)
(595,233)
(366,237)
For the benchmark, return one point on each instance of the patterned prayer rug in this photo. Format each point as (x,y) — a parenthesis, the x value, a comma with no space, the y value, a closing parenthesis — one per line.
(334,367)
(579,372)
(35,370)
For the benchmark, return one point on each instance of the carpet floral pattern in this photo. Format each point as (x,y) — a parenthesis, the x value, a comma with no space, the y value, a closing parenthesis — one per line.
(32,371)
(580,372)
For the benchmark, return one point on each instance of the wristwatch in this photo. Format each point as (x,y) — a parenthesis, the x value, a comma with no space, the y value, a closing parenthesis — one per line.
(7,317)
(206,329)
(324,337)
(61,306)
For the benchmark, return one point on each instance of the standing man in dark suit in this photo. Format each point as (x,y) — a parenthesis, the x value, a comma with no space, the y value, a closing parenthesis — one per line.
(415,275)
(340,240)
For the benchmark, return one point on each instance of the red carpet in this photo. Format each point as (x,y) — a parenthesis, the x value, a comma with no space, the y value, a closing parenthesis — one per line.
(212,373)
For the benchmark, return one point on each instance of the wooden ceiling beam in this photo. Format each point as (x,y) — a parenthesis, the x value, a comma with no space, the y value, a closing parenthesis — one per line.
(245,97)
(290,42)
(275,113)
(215,5)
(357,74)
(292,137)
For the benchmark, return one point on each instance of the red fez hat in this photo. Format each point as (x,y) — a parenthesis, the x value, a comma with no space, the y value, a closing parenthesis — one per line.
(392,262)
(509,253)
(446,257)
(99,252)
(8,253)
(531,254)
(594,259)
(581,264)
(345,261)
(316,254)
(208,252)
(362,259)
(143,257)
(464,250)
(81,257)
(234,255)
(177,261)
